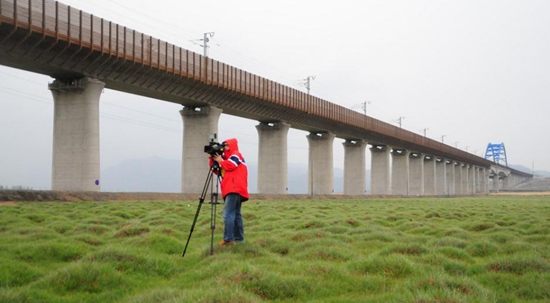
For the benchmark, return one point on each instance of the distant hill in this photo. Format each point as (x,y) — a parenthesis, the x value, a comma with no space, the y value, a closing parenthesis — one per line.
(152,174)
(156,174)
(542,173)
(534,184)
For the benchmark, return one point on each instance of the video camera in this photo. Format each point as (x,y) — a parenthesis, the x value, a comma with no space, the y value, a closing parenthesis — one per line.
(214,147)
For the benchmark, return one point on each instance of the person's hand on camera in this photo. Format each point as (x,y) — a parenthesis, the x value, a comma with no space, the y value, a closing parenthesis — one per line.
(217,158)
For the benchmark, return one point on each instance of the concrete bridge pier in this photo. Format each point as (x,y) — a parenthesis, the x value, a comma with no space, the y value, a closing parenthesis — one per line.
(459,176)
(400,172)
(320,168)
(380,170)
(506,182)
(464,179)
(272,157)
(199,124)
(477,185)
(355,179)
(484,180)
(501,182)
(496,183)
(430,175)
(441,177)
(451,177)
(75,164)
(472,180)
(469,179)
(416,174)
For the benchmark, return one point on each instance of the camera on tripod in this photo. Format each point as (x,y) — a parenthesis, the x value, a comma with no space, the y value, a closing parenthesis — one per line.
(214,147)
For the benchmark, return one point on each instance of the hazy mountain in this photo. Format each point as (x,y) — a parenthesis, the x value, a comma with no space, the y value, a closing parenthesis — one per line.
(152,174)
(156,174)
(528,170)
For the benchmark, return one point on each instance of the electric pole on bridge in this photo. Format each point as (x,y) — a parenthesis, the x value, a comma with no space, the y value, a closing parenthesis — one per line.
(363,106)
(425,131)
(307,82)
(400,121)
(205,42)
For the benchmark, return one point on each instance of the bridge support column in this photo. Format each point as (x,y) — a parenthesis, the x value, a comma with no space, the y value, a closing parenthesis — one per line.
(504,183)
(355,179)
(458,178)
(464,179)
(512,181)
(477,186)
(199,123)
(320,170)
(496,183)
(400,172)
(416,174)
(380,170)
(440,177)
(272,158)
(465,185)
(484,180)
(76,165)
(451,176)
(429,176)
(470,181)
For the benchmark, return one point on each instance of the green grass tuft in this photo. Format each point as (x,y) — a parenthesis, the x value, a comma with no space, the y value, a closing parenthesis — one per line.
(519,265)
(406,249)
(17,273)
(388,266)
(482,249)
(83,277)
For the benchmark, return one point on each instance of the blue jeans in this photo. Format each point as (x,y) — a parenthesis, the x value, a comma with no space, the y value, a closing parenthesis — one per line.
(232,218)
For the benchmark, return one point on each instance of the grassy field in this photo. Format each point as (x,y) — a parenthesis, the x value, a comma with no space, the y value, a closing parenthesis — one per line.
(489,249)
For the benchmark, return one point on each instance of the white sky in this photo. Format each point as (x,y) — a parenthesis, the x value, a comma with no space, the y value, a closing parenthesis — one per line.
(473,71)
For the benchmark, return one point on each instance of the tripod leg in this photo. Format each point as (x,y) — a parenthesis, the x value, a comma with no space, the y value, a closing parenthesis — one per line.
(201,200)
(214,202)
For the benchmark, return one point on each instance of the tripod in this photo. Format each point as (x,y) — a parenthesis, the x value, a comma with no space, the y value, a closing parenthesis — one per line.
(213,202)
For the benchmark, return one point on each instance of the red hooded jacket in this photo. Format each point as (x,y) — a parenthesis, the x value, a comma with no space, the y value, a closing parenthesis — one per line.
(234,171)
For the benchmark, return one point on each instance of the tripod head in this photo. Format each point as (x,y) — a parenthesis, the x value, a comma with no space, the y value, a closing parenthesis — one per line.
(215,166)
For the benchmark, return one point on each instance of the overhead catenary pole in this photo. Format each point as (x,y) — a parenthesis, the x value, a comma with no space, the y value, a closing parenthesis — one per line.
(400,121)
(205,42)
(307,82)
(365,107)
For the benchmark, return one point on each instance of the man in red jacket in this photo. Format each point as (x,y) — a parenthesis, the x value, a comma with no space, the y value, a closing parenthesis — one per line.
(234,186)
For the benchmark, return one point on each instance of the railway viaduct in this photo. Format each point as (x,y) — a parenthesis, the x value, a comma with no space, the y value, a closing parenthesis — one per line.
(85,54)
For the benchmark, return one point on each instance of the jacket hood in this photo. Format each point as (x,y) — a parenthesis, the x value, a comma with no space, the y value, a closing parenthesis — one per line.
(233,145)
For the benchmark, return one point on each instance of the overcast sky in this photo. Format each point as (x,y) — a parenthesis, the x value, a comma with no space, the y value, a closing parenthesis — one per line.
(472,71)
